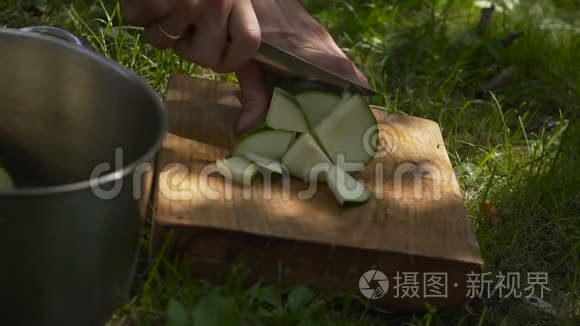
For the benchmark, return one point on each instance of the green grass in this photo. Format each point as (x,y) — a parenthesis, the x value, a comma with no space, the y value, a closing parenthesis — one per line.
(514,147)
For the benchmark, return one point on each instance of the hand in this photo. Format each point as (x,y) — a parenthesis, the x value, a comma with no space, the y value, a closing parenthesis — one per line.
(168,24)
(227,35)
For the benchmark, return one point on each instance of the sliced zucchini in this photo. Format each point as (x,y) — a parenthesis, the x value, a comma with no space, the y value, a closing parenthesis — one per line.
(6,182)
(343,99)
(268,143)
(316,105)
(345,188)
(285,113)
(237,169)
(267,164)
(342,134)
(305,156)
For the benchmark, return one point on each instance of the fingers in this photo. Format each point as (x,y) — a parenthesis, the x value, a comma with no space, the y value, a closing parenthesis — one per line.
(205,46)
(214,20)
(145,12)
(361,77)
(254,95)
(186,14)
(244,30)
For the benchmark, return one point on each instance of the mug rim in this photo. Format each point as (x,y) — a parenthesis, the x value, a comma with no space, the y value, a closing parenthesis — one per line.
(116,174)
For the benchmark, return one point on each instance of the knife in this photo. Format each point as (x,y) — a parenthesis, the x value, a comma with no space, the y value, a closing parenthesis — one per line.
(289,63)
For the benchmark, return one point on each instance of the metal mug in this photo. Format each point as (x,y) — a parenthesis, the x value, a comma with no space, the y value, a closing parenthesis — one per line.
(80,133)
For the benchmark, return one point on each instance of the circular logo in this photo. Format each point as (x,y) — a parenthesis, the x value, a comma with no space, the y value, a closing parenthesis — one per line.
(381,284)
(379,141)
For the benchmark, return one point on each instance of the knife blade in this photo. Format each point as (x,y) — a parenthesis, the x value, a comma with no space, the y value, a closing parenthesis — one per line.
(289,63)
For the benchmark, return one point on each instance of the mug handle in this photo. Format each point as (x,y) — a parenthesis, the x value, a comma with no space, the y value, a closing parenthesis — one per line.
(58,33)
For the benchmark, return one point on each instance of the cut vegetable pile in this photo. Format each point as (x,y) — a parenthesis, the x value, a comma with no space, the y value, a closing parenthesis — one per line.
(311,135)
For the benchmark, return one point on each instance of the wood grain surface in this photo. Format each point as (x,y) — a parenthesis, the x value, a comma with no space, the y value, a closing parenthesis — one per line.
(416,220)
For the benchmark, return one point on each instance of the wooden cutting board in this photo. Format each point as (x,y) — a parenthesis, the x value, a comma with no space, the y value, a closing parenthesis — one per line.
(415,223)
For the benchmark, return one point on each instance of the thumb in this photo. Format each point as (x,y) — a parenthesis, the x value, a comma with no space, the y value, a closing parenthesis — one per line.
(254,95)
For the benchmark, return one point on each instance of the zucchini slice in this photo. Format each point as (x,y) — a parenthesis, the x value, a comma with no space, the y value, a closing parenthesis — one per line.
(342,134)
(237,169)
(266,164)
(268,143)
(316,105)
(306,158)
(285,113)
(345,97)
(6,182)
(345,188)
